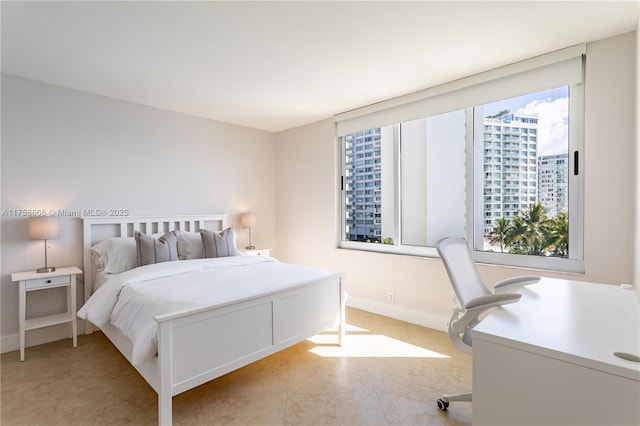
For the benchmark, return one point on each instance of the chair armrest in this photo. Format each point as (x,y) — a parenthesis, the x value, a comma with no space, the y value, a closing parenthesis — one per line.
(492,300)
(509,284)
(476,307)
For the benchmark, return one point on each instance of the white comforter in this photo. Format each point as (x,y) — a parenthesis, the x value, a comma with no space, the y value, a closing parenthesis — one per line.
(133,298)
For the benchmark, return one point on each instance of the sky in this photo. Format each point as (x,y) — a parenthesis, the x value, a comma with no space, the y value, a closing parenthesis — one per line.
(552,107)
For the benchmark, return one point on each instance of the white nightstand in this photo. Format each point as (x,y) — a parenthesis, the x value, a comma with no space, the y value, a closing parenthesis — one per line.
(32,281)
(255,252)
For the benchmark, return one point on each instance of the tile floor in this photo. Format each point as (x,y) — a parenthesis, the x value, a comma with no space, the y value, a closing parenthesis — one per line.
(389,372)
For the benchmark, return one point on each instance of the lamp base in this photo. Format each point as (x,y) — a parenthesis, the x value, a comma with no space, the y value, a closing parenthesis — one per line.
(250,247)
(46,269)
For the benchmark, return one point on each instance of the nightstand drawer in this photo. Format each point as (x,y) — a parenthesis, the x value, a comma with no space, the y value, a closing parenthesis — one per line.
(48,282)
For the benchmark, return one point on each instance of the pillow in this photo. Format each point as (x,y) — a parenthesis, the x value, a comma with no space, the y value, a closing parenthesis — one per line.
(150,250)
(190,245)
(219,244)
(115,255)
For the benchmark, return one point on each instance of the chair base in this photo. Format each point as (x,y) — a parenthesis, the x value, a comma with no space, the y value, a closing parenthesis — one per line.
(443,403)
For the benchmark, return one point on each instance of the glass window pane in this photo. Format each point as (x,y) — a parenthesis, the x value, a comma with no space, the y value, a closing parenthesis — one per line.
(525,166)
(433,178)
(368,159)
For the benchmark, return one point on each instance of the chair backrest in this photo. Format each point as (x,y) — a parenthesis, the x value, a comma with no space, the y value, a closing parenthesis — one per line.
(463,273)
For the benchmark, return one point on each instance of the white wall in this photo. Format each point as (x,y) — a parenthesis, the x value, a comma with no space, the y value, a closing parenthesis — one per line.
(65,149)
(636,278)
(307,202)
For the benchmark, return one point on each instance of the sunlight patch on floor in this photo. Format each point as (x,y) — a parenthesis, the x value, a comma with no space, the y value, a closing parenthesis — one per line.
(361,343)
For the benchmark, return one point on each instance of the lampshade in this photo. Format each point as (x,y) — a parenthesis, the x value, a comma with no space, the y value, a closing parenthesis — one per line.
(248,220)
(44,227)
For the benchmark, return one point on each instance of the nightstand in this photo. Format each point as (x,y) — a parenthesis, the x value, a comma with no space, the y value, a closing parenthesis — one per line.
(255,252)
(32,281)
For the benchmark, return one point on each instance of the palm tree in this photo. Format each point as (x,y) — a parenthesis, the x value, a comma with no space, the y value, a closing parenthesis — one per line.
(557,240)
(532,232)
(517,237)
(500,233)
(537,228)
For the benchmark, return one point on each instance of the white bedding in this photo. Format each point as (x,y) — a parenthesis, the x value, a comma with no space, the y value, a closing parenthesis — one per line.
(101,278)
(133,298)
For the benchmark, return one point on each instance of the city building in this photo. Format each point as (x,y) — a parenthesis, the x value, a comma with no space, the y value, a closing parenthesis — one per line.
(510,165)
(363,179)
(553,187)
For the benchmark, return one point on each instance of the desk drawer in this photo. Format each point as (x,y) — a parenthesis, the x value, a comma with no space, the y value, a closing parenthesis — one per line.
(48,282)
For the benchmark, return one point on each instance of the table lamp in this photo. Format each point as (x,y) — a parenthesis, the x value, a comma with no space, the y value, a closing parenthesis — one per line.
(248,220)
(44,228)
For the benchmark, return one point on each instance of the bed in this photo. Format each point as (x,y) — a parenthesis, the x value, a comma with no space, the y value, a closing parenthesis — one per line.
(196,343)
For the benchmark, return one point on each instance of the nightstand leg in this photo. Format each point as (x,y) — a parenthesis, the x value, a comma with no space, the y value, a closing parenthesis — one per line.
(70,332)
(22,302)
(72,308)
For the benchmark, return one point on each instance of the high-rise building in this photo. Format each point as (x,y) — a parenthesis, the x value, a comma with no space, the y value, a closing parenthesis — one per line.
(510,165)
(363,186)
(553,190)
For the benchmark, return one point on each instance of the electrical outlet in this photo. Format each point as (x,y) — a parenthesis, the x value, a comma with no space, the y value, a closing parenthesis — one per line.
(391,297)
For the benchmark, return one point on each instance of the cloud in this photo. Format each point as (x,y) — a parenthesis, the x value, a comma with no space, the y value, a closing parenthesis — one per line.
(553,124)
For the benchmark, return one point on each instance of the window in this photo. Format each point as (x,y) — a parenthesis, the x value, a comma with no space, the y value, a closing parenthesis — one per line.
(475,162)
(537,197)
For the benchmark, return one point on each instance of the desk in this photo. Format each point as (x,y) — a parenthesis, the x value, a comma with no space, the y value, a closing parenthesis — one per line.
(548,359)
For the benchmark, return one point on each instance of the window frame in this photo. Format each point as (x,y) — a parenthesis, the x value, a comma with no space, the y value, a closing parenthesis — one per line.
(575,263)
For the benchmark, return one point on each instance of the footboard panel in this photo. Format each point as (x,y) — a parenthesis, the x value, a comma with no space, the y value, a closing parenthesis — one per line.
(211,341)
(301,314)
(196,347)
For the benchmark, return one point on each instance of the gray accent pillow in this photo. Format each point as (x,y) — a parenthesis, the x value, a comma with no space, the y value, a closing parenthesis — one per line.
(189,245)
(219,244)
(151,250)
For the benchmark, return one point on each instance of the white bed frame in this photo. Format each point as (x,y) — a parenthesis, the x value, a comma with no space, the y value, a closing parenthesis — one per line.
(197,346)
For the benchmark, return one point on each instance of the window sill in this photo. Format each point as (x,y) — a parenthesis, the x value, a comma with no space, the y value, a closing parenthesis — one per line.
(543,263)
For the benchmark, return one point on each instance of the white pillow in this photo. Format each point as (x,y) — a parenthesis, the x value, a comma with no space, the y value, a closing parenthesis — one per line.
(115,255)
(190,245)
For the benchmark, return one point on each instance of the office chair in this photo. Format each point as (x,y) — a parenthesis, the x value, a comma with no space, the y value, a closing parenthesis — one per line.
(472,297)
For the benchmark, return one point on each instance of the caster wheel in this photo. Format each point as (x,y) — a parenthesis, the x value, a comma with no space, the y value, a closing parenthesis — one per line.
(442,404)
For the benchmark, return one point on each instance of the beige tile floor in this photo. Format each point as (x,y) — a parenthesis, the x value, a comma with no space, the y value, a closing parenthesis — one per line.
(388,373)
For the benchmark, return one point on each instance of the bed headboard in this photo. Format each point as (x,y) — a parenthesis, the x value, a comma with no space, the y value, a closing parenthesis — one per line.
(96,229)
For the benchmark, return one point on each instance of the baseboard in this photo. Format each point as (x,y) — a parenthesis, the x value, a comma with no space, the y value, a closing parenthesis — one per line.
(11,342)
(390,310)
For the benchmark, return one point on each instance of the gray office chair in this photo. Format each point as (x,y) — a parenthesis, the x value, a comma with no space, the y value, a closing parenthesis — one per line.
(472,297)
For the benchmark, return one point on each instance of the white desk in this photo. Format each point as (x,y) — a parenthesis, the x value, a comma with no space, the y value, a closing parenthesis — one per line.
(548,359)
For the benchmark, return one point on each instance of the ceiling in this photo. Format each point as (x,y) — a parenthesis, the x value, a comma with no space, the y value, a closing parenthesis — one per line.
(279,65)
